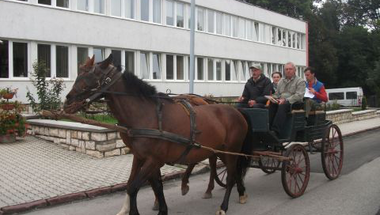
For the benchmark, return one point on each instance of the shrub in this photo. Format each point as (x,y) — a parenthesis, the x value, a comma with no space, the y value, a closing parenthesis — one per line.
(48,91)
(364,103)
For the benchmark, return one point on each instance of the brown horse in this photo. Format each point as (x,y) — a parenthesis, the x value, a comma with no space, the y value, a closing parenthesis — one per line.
(134,103)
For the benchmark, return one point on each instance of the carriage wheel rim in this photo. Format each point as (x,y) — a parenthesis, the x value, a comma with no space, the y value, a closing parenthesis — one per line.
(332,155)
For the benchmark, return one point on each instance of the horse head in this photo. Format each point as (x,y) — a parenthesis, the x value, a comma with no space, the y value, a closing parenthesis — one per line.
(91,78)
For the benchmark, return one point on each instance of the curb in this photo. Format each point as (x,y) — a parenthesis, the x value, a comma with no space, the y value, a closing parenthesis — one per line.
(14,209)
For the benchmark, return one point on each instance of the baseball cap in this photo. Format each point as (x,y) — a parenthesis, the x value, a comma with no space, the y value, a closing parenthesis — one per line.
(255,66)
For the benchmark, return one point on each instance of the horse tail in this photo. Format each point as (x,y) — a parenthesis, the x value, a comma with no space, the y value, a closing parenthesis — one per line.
(245,162)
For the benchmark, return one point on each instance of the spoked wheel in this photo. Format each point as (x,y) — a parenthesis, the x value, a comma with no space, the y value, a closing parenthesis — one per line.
(295,173)
(221,174)
(266,162)
(332,152)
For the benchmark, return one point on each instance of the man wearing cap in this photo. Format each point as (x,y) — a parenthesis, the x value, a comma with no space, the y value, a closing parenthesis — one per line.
(256,88)
(290,91)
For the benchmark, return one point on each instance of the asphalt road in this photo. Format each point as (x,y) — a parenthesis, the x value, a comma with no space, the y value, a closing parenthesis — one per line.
(356,192)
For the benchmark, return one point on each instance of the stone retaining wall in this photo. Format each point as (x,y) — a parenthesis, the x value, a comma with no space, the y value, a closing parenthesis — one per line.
(348,115)
(91,140)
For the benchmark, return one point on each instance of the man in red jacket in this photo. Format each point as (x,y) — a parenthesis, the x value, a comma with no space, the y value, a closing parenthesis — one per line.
(316,88)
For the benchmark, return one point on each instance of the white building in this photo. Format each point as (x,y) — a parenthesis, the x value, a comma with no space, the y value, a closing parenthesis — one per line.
(150,38)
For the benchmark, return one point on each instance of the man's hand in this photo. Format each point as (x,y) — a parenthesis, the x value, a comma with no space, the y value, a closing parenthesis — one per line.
(240,99)
(251,103)
(312,90)
(281,101)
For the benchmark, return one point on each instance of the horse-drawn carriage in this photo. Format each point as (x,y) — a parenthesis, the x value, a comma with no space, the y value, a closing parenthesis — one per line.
(286,151)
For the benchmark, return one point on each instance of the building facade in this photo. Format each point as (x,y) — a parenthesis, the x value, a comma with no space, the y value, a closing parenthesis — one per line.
(150,38)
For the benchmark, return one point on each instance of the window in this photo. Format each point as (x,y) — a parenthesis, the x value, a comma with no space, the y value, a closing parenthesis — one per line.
(99,54)
(144,10)
(130,62)
(283,38)
(218,70)
(116,7)
(116,54)
(263,33)
(180,68)
(219,23)
(20,60)
(200,19)
(63,3)
(62,61)
(293,40)
(241,70)
(249,30)
(279,37)
(156,66)
(82,55)
(169,67)
(227,65)
(273,34)
(200,69)
(211,20)
(169,12)
(4,59)
(289,39)
(227,25)
(336,96)
(130,9)
(44,56)
(99,6)
(298,41)
(235,26)
(157,11)
(210,69)
(256,31)
(241,28)
(144,64)
(83,5)
(351,95)
(47,2)
(180,14)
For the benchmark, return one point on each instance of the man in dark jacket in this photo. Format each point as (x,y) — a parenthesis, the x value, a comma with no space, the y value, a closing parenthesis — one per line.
(256,88)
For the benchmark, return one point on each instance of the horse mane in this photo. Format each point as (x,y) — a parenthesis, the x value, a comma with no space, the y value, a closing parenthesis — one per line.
(139,86)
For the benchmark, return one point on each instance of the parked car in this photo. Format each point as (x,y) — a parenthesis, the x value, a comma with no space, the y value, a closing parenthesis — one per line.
(349,96)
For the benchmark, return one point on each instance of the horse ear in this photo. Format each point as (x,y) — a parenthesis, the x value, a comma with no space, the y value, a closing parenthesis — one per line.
(90,61)
(106,62)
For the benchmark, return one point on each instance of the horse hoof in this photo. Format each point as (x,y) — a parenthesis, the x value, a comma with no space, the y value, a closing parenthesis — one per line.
(243,199)
(155,206)
(220,212)
(185,190)
(207,196)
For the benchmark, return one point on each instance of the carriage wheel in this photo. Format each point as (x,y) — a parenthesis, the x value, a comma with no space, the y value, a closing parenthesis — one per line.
(295,173)
(332,152)
(221,175)
(265,162)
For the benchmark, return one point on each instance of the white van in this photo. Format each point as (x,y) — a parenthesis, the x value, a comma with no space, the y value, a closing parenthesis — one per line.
(350,96)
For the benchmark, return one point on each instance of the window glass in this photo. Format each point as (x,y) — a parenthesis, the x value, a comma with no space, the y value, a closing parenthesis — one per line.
(82,55)
(279,36)
(4,59)
(241,71)
(219,23)
(235,26)
(211,20)
(145,10)
(227,65)
(294,40)
(241,28)
(351,95)
(144,65)
(99,54)
(44,56)
(200,19)
(130,62)
(20,60)
(157,11)
(249,30)
(180,68)
(289,39)
(156,66)
(210,69)
(336,96)
(116,54)
(298,41)
(262,31)
(130,9)
(63,3)
(83,5)
(256,30)
(200,69)
(218,70)
(116,7)
(180,14)
(62,61)
(99,6)
(47,2)
(273,34)
(227,25)
(169,12)
(169,67)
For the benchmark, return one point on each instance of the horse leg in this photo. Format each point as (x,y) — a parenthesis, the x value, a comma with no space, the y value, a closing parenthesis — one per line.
(241,188)
(158,189)
(231,171)
(208,193)
(148,168)
(185,179)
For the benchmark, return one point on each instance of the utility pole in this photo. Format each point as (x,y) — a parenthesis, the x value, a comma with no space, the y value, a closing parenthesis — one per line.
(192,35)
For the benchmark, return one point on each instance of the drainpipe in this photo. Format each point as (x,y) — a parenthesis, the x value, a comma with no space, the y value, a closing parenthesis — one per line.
(192,59)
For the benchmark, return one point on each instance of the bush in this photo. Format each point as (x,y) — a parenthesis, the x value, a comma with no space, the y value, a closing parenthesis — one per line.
(48,91)
(364,103)
(333,106)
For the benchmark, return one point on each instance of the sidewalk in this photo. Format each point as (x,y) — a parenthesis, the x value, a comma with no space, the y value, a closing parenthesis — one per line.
(36,173)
